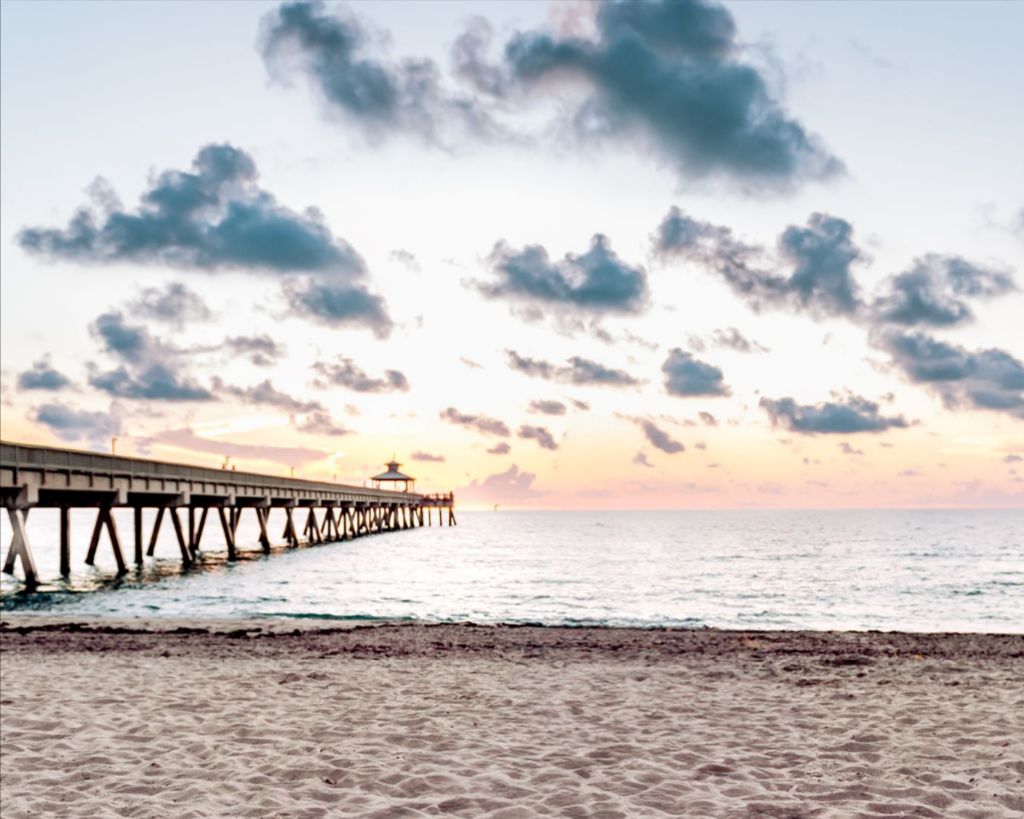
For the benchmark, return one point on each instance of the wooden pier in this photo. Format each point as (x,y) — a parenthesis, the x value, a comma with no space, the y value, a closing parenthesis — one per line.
(46,477)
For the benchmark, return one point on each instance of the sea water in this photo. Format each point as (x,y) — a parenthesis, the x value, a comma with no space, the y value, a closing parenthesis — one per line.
(938,570)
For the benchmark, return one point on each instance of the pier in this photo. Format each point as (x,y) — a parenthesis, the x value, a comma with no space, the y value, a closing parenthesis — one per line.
(49,477)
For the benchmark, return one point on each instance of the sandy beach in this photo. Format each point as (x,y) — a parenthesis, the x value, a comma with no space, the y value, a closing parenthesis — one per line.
(264,719)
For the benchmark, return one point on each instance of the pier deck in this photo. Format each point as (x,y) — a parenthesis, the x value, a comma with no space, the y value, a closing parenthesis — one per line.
(50,477)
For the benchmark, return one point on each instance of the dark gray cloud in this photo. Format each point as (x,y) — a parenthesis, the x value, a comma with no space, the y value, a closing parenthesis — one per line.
(427,457)
(820,256)
(42,376)
(548,407)
(500,449)
(346,373)
(74,425)
(480,423)
(849,415)
(319,422)
(578,371)
(213,217)
(541,435)
(150,369)
(989,379)
(261,350)
(649,77)
(174,303)
(596,281)
(665,75)
(335,52)
(336,304)
(267,395)
(931,292)
(153,382)
(687,376)
(659,438)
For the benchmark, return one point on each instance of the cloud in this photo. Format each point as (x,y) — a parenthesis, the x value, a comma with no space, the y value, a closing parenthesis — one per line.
(510,486)
(346,373)
(989,379)
(659,438)
(708,419)
(666,76)
(480,423)
(288,455)
(265,394)
(1012,459)
(74,425)
(501,448)
(404,257)
(41,376)
(580,371)
(153,382)
(470,363)
(150,368)
(596,281)
(541,435)
(337,304)
(930,292)
(427,457)
(381,98)
(319,422)
(582,406)
(548,407)
(213,217)
(174,304)
(261,350)
(727,339)
(847,449)
(687,376)
(641,460)
(820,256)
(854,414)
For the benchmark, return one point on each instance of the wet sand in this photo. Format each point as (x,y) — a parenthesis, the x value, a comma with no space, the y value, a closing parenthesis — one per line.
(265,719)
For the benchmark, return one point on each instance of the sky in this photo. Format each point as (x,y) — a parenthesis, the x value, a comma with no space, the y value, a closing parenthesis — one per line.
(547,255)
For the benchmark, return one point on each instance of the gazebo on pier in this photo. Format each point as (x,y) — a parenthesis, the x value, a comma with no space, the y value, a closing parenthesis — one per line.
(391,479)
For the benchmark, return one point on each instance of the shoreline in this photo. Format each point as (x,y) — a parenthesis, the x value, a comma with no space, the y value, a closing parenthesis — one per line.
(256,718)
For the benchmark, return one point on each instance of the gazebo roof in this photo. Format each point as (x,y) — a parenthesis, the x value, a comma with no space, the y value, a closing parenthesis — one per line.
(393,474)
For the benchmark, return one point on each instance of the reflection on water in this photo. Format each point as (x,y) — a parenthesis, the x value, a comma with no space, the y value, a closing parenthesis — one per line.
(910,570)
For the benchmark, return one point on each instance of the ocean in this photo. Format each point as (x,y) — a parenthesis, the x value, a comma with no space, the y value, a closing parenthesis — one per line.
(935,570)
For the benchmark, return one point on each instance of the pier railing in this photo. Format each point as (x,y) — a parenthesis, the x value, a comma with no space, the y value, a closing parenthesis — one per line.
(33,476)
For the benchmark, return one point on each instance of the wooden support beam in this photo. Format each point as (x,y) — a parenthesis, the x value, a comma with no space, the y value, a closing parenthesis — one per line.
(105,520)
(20,549)
(330,525)
(263,516)
(137,531)
(191,530)
(451,516)
(156,530)
(65,541)
(313,534)
(228,525)
(289,528)
(199,531)
(186,552)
